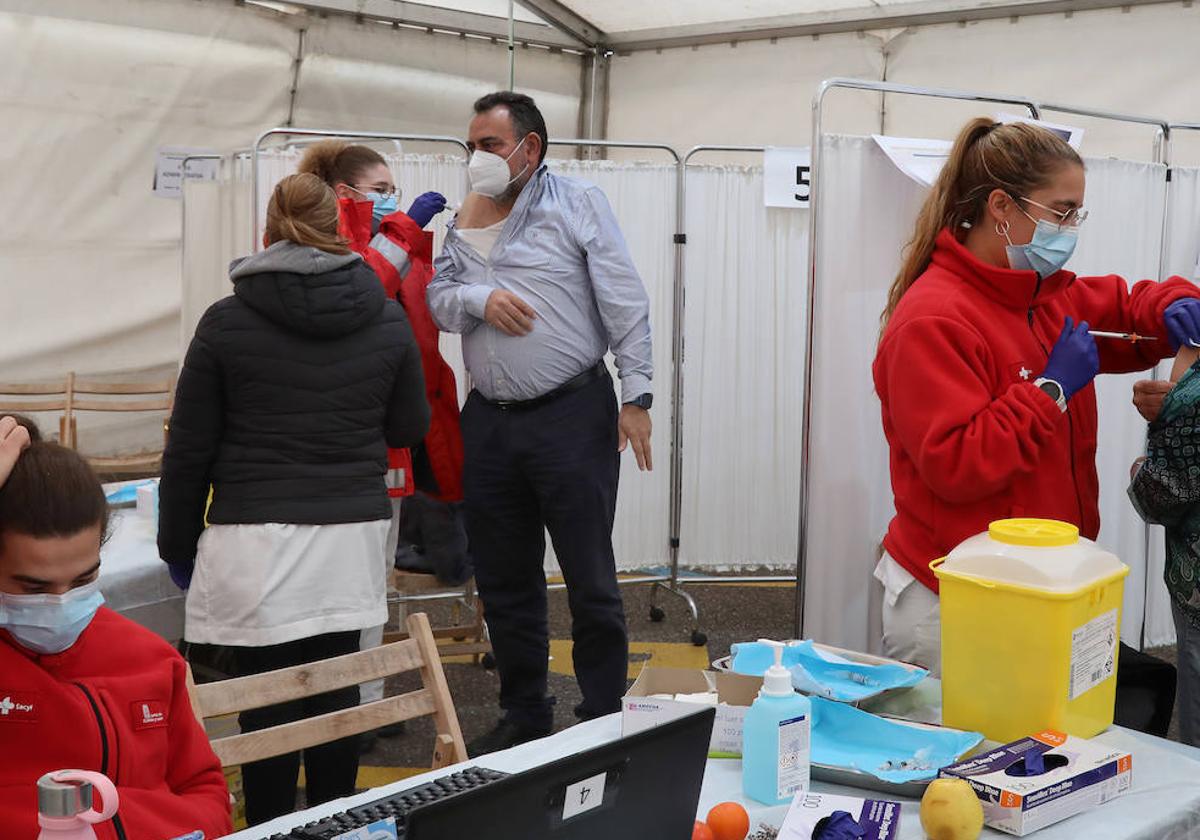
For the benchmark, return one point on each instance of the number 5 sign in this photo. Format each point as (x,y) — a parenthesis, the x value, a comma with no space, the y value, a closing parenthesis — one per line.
(787,174)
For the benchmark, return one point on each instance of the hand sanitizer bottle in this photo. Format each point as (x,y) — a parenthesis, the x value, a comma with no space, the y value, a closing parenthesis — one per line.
(775,741)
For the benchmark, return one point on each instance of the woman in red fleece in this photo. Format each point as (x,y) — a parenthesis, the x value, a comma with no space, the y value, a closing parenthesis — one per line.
(985,363)
(400,250)
(80,686)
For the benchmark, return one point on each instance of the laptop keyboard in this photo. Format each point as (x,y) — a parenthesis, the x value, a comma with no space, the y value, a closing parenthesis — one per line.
(398,805)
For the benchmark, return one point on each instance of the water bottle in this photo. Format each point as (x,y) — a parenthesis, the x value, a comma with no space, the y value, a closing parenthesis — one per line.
(65,809)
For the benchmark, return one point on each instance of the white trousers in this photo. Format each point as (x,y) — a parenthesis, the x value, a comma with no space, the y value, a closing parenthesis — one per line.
(912,617)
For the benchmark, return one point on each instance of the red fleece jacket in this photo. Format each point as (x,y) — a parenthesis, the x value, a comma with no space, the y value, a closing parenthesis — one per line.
(116,702)
(972,438)
(443,443)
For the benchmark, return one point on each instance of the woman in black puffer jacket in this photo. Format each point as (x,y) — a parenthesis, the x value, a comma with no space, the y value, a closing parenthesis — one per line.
(292,391)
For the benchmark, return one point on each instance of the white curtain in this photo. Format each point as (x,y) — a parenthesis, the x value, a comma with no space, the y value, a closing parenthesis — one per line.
(642,196)
(867,210)
(1123,235)
(1182,257)
(744,344)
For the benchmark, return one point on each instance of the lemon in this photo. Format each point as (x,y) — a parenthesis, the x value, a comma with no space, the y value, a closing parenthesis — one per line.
(950,810)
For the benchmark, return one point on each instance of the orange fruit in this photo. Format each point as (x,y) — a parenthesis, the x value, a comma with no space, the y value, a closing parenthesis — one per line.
(729,821)
(701,831)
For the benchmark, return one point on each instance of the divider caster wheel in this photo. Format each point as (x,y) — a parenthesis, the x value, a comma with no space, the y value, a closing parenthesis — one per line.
(657,613)
(488,662)
(699,639)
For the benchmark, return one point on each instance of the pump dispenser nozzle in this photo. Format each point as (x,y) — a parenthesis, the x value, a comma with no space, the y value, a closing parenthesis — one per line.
(777,681)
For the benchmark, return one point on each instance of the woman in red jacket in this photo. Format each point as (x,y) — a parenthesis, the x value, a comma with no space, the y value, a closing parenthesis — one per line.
(80,686)
(400,251)
(985,363)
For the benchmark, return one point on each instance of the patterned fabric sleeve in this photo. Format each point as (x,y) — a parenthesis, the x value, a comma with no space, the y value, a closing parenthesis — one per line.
(1167,487)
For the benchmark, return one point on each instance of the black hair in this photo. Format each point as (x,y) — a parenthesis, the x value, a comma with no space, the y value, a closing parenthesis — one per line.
(52,491)
(526,118)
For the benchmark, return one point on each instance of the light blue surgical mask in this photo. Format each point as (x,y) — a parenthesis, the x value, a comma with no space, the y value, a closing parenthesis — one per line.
(50,623)
(382,204)
(1049,249)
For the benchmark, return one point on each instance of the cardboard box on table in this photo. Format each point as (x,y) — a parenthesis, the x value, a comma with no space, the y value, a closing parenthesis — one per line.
(735,693)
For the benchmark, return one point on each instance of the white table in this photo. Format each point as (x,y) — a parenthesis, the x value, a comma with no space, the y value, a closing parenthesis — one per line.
(135,582)
(1164,803)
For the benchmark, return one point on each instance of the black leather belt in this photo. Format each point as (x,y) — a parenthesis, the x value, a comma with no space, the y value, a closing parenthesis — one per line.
(596,371)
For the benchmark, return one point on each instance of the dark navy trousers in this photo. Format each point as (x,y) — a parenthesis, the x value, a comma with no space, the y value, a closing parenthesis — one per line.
(553,467)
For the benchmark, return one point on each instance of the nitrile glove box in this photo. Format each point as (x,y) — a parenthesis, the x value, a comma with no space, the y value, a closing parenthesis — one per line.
(735,692)
(878,818)
(1078,776)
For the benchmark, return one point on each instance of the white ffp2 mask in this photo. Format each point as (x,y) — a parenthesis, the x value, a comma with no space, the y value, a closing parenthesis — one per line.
(488,172)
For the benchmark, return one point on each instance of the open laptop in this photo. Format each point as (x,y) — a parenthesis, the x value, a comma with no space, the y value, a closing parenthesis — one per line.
(644,785)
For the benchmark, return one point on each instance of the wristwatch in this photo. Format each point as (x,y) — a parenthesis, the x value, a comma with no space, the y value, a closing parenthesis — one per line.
(644,401)
(1054,391)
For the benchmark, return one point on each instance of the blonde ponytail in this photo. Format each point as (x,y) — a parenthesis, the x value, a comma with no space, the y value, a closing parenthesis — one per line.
(303,209)
(1015,157)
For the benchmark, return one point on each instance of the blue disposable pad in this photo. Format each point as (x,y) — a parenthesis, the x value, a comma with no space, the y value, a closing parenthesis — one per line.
(128,493)
(849,738)
(824,675)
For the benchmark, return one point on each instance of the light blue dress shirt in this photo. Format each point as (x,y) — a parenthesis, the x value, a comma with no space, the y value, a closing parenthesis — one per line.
(561,251)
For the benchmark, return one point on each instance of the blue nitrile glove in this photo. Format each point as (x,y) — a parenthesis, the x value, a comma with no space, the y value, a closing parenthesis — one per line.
(426,207)
(1182,320)
(838,826)
(1074,361)
(181,574)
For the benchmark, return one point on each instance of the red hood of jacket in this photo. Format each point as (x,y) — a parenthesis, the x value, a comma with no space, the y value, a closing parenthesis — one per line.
(971,438)
(115,702)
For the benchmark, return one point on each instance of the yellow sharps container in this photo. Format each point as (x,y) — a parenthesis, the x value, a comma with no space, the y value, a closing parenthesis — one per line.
(1031,618)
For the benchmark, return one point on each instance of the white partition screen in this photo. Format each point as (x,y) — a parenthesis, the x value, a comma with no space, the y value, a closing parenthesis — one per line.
(867,215)
(744,340)
(1122,235)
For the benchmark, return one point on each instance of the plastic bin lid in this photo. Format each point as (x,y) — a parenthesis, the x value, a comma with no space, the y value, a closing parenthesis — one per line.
(1039,553)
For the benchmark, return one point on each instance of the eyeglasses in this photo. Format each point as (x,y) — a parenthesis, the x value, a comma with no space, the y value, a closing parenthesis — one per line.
(1070,218)
(386,192)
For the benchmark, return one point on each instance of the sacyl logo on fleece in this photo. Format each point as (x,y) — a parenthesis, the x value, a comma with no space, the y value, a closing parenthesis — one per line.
(16,707)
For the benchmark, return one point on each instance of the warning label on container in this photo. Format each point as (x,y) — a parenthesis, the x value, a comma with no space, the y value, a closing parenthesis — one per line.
(1093,653)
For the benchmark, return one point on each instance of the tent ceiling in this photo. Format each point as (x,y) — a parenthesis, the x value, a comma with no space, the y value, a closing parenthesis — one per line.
(630,25)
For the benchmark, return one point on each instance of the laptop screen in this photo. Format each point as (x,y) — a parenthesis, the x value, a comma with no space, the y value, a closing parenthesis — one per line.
(644,785)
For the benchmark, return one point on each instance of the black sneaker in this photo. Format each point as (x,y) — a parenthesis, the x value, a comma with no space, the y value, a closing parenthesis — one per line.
(506,734)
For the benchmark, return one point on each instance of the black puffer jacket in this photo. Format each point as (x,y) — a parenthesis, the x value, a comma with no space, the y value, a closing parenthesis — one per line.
(291,392)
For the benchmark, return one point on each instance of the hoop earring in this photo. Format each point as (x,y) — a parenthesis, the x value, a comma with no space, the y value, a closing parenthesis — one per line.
(1002,228)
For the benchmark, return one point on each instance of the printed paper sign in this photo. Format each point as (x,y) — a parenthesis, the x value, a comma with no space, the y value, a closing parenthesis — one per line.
(919,158)
(168,169)
(1071,133)
(787,176)
(584,796)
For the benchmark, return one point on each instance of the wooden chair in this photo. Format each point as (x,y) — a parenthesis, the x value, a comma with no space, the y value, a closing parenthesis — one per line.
(419,652)
(159,395)
(32,398)
(466,635)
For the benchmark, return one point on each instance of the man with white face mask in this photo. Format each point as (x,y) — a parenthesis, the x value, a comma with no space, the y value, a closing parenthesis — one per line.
(536,277)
